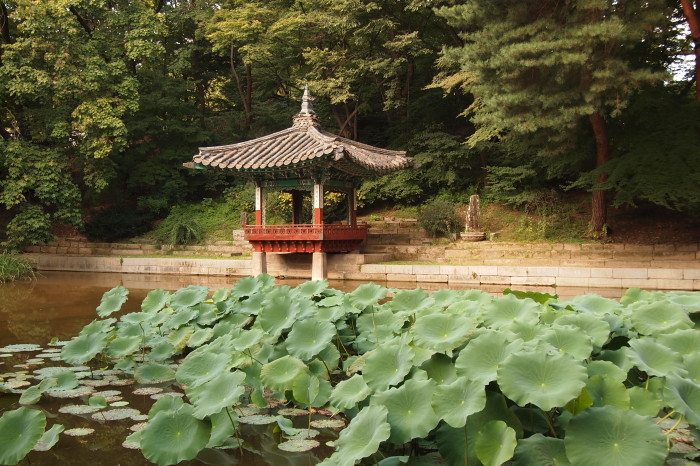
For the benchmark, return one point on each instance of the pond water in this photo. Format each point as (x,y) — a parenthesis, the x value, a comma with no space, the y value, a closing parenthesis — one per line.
(59,304)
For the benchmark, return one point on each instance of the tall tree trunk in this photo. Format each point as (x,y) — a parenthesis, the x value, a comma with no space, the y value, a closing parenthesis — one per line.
(692,15)
(599,211)
(246,94)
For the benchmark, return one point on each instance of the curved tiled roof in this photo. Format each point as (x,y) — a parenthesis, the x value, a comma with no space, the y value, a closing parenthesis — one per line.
(302,144)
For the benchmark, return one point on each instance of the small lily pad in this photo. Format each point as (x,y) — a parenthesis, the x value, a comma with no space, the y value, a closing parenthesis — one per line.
(298,445)
(158,396)
(328,423)
(132,442)
(116,414)
(118,404)
(303,434)
(17,383)
(78,409)
(78,432)
(74,393)
(248,410)
(139,417)
(230,444)
(95,383)
(147,391)
(292,412)
(137,427)
(257,419)
(121,382)
(108,393)
(20,348)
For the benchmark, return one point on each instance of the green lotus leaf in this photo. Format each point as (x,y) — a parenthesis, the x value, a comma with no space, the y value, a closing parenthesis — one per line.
(582,402)
(526,331)
(454,402)
(606,369)
(30,396)
(659,317)
(685,341)
(644,402)
(653,358)
(181,317)
(483,355)
(167,403)
(49,438)
(367,294)
(532,419)
(83,348)
(97,401)
(155,300)
(539,450)
(112,301)
(410,301)
(124,346)
(188,297)
(541,298)
(220,295)
(207,314)
(279,374)
(440,368)
(445,297)
(503,311)
(330,357)
(153,372)
(200,337)
(598,330)
(689,301)
(61,380)
(387,366)
(620,357)
(442,332)
(223,426)
(617,438)
(161,351)
(98,326)
(379,327)
(178,338)
(545,380)
(278,314)
(247,286)
(202,365)
(138,317)
(570,340)
(691,364)
(174,436)
(361,437)
(683,395)
(217,394)
(247,339)
(350,392)
(133,330)
(466,308)
(309,337)
(495,443)
(20,430)
(408,413)
(305,388)
(604,391)
(312,288)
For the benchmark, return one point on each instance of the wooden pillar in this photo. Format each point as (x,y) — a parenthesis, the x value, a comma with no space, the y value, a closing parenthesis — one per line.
(297,206)
(259,205)
(319,266)
(318,203)
(352,207)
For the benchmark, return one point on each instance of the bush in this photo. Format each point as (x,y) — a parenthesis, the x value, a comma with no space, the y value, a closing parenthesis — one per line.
(118,223)
(14,267)
(440,217)
(180,228)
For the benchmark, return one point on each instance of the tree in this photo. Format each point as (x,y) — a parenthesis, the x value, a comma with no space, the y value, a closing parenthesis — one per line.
(545,73)
(692,15)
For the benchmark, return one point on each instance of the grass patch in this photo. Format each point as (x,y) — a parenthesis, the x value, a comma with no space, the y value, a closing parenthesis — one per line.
(14,267)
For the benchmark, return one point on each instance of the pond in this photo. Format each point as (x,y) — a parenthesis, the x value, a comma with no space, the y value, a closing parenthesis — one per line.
(59,305)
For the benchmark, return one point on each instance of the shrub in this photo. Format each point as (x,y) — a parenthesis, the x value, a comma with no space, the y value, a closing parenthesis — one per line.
(14,267)
(440,217)
(180,228)
(118,223)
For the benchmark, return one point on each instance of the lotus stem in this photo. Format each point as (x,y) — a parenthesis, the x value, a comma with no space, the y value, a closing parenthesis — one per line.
(673,411)
(337,335)
(376,335)
(549,423)
(235,431)
(466,446)
(675,425)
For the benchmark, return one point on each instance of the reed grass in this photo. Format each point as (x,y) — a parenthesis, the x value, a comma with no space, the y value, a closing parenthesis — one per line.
(15,267)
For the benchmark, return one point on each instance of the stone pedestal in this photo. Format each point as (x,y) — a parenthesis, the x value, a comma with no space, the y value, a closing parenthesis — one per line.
(259,263)
(319,266)
(472,236)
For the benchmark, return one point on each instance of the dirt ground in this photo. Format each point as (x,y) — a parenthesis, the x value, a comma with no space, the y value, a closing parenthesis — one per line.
(652,225)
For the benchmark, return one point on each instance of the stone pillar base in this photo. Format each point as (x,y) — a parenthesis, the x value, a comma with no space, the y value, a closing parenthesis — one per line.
(472,236)
(259,263)
(319,266)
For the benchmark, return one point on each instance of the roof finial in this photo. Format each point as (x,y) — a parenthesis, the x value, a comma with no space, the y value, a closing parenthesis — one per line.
(306,107)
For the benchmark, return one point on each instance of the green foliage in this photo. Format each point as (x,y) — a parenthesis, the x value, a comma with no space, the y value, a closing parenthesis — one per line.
(14,267)
(117,223)
(440,217)
(179,228)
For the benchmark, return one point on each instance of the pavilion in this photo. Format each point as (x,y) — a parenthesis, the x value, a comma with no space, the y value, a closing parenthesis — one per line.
(303,158)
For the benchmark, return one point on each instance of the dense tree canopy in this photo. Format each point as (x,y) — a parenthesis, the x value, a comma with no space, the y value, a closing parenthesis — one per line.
(102,100)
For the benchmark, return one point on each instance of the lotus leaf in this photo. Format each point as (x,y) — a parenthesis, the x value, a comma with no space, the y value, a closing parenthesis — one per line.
(387,366)
(30,396)
(153,372)
(49,438)
(604,391)
(181,317)
(594,304)
(367,295)
(155,300)
(454,402)
(503,311)
(690,302)
(328,423)
(223,426)
(200,337)
(330,356)
(362,436)
(217,394)
(98,326)
(653,358)
(279,374)
(124,346)
(619,437)
(178,338)
(445,297)
(78,432)
(529,332)
(643,402)
(20,430)
(246,286)
(188,297)
(539,450)
(495,443)
(483,355)
(410,301)
(659,317)
(440,368)
(174,436)
(112,301)
(305,388)
(166,403)
(247,339)
(257,419)
(691,364)
(277,315)
(598,330)
(312,288)
(83,348)
(220,295)
(619,357)
(202,365)
(570,340)
(379,326)
(408,413)
(161,351)
(545,380)
(466,308)
(442,332)
(685,341)
(350,392)
(309,337)
(607,369)
(252,305)
(683,395)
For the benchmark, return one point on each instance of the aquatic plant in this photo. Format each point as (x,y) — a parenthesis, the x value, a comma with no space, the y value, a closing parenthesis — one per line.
(14,267)
(465,376)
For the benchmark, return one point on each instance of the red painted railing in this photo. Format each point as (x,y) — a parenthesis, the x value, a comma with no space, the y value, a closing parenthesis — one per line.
(304,232)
